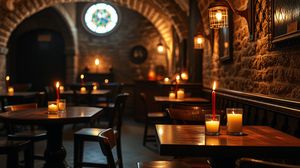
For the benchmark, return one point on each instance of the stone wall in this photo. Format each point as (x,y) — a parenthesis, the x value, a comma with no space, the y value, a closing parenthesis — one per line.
(114,49)
(254,68)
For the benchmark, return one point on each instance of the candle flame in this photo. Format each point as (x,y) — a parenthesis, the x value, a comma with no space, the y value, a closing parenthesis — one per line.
(81,76)
(177,77)
(7,78)
(57,84)
(214,85)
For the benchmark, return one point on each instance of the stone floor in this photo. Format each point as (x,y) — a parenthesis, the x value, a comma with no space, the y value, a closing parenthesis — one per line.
(132,148)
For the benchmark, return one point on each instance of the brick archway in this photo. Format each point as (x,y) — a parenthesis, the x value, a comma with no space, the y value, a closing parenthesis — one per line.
(160,13)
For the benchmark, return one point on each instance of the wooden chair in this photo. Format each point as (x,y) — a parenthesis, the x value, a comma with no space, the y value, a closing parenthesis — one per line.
(12,149)
(32,134)
(91,134)
(151,118)
(108,141)
(250,163)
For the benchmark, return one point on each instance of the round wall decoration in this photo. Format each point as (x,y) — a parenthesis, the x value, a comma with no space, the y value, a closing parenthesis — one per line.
(138,54)
(100,18)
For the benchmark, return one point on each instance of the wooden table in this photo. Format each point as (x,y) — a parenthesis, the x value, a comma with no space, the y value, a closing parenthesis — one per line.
(165,99)
(21,95)
(55,153)
(259,141)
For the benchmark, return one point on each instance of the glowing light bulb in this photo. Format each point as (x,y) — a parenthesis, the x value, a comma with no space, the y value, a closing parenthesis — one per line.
(97,61)
(219,16)
(160,48)
(81,76)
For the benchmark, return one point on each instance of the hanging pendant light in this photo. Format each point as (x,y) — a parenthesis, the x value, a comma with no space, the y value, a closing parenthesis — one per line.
(199,41)
(218,15)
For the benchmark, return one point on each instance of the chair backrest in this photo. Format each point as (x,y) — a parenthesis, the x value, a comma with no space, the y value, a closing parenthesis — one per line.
(115,89)
(107,141)
(116,118)
(10,126)
(186,114)
(143,98)
(250,163)
(20,107)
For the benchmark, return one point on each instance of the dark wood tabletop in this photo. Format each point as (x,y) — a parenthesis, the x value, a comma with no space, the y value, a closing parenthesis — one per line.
(40,116)
(166,99)
(258,141)
(18,94)
(55,153)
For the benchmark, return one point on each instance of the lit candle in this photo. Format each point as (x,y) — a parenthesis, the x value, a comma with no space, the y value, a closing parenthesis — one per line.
(82,78)
(10,90)
(212,126)
(167,80)
(180,94)
(213,99)
(61,89)
(82,89)
(52,108)
(234,122)
(95,87)
(57,90)
(106,81)
(171,95)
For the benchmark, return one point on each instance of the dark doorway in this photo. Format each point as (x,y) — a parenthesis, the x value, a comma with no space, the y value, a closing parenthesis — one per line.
(40,58)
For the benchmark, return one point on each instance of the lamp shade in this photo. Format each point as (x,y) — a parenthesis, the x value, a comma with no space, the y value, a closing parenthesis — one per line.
(198,42)
(218,15)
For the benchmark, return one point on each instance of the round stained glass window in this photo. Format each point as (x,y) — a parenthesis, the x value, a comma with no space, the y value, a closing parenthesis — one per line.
(100,18)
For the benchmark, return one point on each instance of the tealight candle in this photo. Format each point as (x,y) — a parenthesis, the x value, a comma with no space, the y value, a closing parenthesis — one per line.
(234,120)
(171,95)
(106,81)
(180,94)
(52,108)
(11,90)
(82,89)
(212,124)
(95,87)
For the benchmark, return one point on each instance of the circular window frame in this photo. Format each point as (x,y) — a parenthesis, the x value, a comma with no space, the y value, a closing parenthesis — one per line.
(93,32)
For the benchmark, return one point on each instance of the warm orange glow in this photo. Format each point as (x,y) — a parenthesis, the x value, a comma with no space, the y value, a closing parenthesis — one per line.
(82,89)
(166,80)
(57,84)
(184,76)
(106,81)
(219,16)
(95,87)
(214,86)
(160,48)
(198,42)
(11,90)
(61,88)
(97,61)
(81,76)
(7,78)
(177,78)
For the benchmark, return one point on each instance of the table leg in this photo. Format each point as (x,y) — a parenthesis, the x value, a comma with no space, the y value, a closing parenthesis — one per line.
(55,153)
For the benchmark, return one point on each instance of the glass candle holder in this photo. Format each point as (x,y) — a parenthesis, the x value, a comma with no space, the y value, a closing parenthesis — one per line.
(212,124)
(180,93)
(234,121)
(172,95)
(62,105)
(10,90)
(52,107)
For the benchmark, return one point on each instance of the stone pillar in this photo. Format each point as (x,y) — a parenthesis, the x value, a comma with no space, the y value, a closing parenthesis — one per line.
(3,52)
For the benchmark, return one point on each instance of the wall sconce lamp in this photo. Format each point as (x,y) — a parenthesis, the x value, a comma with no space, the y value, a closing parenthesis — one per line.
(199,41)
(218,14)
(160,48)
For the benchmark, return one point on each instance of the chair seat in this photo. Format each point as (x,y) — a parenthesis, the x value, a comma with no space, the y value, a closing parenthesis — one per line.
(88,132)
(163,164)
(6,145)
(35,135)
(156,114)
